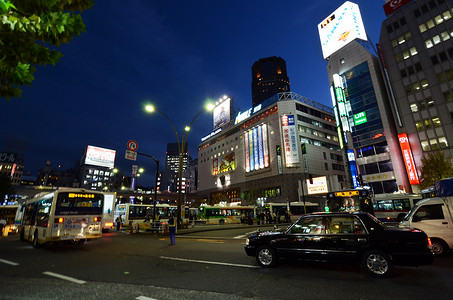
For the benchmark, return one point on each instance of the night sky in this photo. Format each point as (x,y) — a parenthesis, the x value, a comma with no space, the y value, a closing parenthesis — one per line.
(175,54)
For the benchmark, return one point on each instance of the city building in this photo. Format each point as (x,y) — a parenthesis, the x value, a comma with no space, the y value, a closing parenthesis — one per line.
(268,78)
(363,111)
(10,166)
(96,168)
(416,44)
(271,150)
(169,178)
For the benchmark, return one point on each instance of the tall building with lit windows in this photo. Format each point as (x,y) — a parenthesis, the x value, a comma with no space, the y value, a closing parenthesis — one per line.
(169,177)
(268,78)
(416,44)
(362,109)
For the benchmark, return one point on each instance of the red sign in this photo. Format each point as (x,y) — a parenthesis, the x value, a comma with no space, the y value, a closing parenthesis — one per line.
(393,5)
(132,145)
(408,159)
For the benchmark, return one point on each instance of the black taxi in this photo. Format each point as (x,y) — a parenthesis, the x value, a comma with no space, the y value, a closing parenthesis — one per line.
(356,238)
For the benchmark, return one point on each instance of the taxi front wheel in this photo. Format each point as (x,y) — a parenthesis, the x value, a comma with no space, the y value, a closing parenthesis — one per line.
(266,257)
(377,263)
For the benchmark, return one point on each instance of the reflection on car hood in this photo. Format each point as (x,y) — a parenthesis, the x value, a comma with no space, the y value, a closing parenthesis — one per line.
(267,233)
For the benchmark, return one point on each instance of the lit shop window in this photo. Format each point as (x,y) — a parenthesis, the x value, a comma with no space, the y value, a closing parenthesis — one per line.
(425,145)
(414,107)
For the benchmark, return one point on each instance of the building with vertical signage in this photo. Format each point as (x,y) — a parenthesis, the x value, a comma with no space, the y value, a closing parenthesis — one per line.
(271,150)
(363,112)
(416,44)
(269,77)
(96,168)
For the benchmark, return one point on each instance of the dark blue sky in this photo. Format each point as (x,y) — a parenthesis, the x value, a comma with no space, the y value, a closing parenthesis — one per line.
(174,54)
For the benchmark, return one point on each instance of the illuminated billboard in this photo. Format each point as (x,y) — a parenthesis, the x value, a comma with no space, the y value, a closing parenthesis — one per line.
(408,158)
(223,163)
(319,185)
(342,27)
(221,113)
(256,148)
(290,140)
(100,157)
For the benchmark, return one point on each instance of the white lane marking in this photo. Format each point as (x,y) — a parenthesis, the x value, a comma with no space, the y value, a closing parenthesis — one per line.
(145,298)
(244,235)
(8,262)
(208,262)
(65,277)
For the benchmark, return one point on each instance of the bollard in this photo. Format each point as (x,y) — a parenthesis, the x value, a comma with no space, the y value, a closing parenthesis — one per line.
(166,229)
(137,229)
(131,229)
(187,224)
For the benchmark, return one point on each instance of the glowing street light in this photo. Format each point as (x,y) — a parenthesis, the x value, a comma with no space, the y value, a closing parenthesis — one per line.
(181,147)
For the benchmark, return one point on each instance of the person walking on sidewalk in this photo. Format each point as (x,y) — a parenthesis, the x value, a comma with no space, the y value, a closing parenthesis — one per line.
(172,229)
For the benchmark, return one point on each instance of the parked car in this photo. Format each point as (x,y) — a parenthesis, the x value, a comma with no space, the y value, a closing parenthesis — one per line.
(435,217)
(357,238)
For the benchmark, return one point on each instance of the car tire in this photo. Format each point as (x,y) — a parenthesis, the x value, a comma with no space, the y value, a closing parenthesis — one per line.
(438,247)
(377,263)
(35,240)
(266,257)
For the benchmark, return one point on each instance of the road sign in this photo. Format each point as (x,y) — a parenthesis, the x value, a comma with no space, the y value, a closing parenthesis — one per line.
(131,155)
(132,145)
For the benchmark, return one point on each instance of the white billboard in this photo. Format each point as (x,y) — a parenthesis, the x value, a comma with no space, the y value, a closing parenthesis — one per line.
(100,157)
(342,27)
(221,113)
(319,185)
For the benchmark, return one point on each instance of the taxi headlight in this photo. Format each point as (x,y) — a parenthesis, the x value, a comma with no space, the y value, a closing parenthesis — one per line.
(247,241)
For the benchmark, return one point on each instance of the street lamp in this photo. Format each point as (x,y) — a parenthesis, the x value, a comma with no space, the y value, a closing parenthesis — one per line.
(181,147)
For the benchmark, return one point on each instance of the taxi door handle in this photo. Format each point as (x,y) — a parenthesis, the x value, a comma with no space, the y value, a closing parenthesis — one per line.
(444,222)
(361,240)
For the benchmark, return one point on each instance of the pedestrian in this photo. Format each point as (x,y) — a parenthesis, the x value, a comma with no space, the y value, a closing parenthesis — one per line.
(118,223)
(172,229)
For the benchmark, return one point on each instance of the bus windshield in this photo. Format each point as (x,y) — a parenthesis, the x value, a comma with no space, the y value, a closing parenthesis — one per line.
(350,200)
(79,204)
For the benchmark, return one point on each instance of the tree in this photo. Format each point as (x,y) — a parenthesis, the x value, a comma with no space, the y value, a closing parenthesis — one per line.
(6,188)
(30,32)
(435,167)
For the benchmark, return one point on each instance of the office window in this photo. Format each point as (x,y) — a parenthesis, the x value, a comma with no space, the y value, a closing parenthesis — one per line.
(430,102)
(448,97)
(424,84)
(421,104)
(394,43)
(403,73)
(438,19)
(436,39)
(430,24)
(418,67)
(417,14)
(399,57)
(433,144)
(419,126)
(441,77)
(445,36)
(443,142)
(449,74)
(413,51)
(427,123)
(416,86)
(443,56)
(408,89)
(425,145)
(414,107)
(436,122)
(428,44)
(422,28)
(446,15)
(434,60)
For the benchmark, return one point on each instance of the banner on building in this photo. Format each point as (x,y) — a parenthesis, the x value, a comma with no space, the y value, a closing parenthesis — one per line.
(408,158)
(290,140)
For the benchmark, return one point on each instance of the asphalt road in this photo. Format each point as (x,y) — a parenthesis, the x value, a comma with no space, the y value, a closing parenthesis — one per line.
(202,265)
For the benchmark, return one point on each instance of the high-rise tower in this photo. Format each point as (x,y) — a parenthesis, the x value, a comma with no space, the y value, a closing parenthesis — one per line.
(268,78)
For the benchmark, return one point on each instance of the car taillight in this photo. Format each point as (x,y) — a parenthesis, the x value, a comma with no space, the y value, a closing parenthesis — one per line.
(97,219)
(430,244)
(59,220)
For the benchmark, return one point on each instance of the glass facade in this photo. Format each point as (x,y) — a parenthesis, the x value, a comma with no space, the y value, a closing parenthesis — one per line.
(368,135)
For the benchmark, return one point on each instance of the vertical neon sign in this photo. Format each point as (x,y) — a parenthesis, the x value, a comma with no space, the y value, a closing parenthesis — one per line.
(408,158)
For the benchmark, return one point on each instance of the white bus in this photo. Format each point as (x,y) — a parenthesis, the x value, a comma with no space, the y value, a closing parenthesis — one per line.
(297,209)
(133,214)
(108,212)
(393,207)
(63,215)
